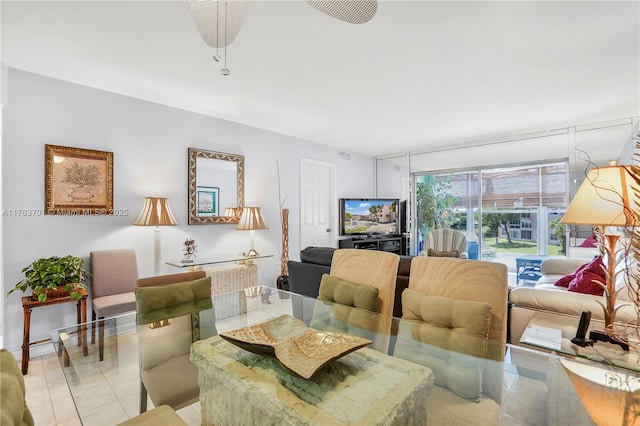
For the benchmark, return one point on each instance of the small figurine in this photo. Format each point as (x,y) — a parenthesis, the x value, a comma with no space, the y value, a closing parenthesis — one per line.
(190,250)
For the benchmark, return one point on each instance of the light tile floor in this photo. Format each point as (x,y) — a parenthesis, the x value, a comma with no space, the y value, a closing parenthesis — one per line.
(50,402)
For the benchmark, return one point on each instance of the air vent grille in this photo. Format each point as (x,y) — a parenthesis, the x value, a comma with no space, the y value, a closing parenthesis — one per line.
(344,155)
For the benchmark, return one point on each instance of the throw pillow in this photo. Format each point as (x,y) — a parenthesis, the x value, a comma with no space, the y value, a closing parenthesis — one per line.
(566,280)
(435,253)
(359,296)
(460,327)
(589,242)
(589,278)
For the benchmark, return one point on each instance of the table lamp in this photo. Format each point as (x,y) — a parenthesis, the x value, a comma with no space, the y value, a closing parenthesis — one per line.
(231,211)
(606,198)
(251,220)
(156,212)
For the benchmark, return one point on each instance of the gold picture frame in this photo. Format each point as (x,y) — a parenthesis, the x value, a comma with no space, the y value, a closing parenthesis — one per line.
(77,181)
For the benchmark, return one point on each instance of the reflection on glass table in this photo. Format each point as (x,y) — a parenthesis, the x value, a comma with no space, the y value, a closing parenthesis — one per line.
(555,332)
(536,391)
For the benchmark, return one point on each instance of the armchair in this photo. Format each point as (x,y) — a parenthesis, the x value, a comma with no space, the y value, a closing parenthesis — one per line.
(444,242)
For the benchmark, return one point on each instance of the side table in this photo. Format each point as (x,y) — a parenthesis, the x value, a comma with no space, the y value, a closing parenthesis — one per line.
(528,268)
(29,304)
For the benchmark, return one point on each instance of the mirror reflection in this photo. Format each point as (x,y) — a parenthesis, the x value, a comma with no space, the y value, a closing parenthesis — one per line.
(216,187)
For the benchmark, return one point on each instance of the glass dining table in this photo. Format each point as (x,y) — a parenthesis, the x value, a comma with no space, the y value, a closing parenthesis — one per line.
(527,387)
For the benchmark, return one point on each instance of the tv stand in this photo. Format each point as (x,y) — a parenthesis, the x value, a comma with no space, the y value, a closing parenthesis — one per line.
(392,244)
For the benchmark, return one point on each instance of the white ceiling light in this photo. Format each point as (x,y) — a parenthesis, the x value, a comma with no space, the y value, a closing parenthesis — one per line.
(218,23)
(351,11)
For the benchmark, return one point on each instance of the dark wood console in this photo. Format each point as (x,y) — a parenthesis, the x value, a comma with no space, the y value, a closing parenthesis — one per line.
(390,244)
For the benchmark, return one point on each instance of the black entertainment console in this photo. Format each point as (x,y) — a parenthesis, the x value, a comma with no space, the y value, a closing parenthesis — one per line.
(391,244)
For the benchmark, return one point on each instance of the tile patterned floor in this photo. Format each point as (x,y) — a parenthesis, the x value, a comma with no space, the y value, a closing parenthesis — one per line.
(50,401)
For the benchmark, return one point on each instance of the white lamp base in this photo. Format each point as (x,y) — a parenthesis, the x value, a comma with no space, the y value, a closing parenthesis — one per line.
(252,240)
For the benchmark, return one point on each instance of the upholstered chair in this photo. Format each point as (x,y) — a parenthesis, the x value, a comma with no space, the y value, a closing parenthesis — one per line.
(113,279)
(443,242)
(460,306)
(173,311)
(371,268)
(361,288)
(13,405)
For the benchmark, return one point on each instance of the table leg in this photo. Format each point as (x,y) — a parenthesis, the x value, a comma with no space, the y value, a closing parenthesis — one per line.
(25,340)
(81,316)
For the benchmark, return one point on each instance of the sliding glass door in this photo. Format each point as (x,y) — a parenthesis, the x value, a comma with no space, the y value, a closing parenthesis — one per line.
(505,211)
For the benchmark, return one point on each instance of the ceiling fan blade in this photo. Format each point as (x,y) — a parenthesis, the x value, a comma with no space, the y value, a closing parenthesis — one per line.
(351,11)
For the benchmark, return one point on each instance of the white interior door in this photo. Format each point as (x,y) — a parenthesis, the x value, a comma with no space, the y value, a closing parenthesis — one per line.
(317,204)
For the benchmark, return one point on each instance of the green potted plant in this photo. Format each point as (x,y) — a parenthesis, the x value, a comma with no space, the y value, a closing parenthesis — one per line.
(64,274)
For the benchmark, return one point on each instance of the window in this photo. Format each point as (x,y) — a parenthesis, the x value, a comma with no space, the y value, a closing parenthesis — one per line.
(501,209)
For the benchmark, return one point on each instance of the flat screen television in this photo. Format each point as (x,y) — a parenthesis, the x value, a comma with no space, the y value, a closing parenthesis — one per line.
(369,216)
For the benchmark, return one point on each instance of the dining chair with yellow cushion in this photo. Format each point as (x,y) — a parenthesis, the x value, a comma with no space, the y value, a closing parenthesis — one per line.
(454,322)
(360,289)
(173,311)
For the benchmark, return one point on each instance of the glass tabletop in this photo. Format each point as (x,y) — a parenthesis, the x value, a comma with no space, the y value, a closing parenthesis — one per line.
(527,386)
(554,333)
(217,260)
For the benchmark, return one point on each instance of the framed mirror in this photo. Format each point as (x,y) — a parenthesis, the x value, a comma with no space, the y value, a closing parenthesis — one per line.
(216,187)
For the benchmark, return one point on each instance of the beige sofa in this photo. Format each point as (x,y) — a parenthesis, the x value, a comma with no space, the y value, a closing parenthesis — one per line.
(557,304)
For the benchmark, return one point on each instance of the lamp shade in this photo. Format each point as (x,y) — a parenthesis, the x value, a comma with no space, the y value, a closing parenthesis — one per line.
(231,211)
(218,21)
(156,212)
(605,198)
(251,219)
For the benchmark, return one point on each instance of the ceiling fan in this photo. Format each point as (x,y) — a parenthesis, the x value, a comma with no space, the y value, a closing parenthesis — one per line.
(219,21)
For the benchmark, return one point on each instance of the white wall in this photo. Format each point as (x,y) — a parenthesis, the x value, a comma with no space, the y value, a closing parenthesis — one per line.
(149,142)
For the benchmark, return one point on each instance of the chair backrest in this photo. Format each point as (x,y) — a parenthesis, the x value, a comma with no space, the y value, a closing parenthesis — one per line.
(368,267)
(170,279)
(477,281)
(170,315)
(113,272)
(445,240)
(485,285)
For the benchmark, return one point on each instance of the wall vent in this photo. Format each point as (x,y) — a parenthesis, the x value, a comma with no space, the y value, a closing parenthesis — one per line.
(344,155)
(396,168)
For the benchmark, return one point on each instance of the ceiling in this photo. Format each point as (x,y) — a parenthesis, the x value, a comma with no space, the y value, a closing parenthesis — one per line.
(420,74)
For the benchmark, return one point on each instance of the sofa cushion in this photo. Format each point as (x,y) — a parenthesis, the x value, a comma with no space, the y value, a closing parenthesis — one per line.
(460,327)
(317,255)
(435,253)
(404,267)
(343,292)
(559,300)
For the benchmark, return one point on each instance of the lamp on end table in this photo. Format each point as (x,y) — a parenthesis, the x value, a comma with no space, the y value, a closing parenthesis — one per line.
(251,220)
(156,212)
(606,198)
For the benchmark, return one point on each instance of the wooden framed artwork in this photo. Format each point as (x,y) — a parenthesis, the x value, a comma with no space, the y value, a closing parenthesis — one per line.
(208,201)
(77,181)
